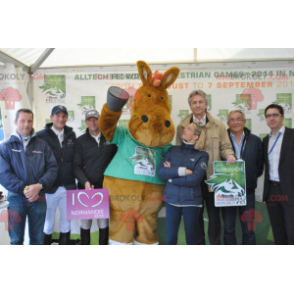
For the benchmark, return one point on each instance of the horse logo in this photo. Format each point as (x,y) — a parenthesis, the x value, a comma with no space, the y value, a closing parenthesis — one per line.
(225,185)
(144,158)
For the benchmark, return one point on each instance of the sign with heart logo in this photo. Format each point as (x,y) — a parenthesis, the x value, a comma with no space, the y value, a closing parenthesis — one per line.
(87,204)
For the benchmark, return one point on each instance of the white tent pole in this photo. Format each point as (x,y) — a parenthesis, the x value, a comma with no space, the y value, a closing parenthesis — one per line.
(41,59)
(8,59)
(195,54)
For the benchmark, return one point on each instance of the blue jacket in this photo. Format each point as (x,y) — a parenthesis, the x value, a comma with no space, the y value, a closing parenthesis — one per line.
(184,190)
(19,168)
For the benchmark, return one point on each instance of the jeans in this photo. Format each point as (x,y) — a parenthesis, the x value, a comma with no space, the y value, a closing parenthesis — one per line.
(19,208)
(214,224)
(173,219)
(229,217)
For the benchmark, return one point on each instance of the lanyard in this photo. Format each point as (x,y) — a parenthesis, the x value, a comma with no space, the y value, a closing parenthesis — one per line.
(275,143)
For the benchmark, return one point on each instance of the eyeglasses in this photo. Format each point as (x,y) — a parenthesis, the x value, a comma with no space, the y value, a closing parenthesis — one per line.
(232,120)
(273,115)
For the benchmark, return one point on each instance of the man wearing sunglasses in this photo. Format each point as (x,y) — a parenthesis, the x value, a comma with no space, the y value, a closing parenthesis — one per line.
(278,191)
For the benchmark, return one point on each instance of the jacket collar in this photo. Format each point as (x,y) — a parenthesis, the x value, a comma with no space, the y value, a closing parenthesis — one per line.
(210,120)
(101,135)
(67,129)
(15,137)
(246,132)
(186,145)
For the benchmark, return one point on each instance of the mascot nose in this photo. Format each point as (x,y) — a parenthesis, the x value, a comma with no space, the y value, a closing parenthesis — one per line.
(167,123)
(144,118)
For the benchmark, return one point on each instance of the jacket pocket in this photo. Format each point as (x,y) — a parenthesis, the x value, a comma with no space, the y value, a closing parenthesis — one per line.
(215,142)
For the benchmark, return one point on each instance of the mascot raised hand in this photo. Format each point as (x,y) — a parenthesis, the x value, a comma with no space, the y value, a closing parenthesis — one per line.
(135,189)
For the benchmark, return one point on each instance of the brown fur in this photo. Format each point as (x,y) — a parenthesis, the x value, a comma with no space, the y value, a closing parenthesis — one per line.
(152,102)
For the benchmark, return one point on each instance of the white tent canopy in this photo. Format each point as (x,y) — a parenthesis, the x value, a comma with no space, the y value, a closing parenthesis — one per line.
(31,59)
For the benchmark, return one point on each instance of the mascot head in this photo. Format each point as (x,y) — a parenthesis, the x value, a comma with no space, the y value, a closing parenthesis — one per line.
(150,123)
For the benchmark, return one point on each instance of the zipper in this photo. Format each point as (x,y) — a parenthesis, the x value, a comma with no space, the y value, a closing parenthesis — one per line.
(28,164)
(62,153)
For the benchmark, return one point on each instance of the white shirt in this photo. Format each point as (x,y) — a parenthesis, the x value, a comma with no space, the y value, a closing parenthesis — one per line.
(274,156)
(97,138)
(202,120)
(60,135)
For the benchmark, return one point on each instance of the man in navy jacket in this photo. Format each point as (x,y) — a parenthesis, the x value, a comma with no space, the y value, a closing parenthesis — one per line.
(247,147)
(27,166)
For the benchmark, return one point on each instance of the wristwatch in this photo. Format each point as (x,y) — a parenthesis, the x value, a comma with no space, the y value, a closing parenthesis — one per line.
(41,185)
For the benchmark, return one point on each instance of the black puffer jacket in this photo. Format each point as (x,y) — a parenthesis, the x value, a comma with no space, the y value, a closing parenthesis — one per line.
(64,156)
(91,160)
(252,154)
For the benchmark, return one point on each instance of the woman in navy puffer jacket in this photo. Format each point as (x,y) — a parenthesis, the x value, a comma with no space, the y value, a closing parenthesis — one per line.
(184,168)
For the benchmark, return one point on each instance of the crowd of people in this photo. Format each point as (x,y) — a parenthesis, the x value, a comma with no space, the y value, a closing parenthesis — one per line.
(37,169)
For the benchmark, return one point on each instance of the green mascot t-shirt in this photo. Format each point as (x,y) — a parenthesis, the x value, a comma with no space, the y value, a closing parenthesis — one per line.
(134,161)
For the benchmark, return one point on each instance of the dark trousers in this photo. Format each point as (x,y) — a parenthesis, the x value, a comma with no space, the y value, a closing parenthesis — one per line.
(281,216)
(173,219)
(214,225)
(229,217)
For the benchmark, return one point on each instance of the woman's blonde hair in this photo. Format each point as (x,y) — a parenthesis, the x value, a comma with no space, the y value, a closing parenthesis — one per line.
(201,144)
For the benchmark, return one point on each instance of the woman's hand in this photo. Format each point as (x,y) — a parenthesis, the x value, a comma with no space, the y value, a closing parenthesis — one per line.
(188,172)
(167,164)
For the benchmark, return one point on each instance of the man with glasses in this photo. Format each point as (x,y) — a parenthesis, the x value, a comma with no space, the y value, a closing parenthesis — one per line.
(247,147)
(278,192)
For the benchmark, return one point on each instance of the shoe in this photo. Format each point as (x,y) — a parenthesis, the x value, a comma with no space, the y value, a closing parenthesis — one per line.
(85,237)
(103,236)
(47,239)
(64,238)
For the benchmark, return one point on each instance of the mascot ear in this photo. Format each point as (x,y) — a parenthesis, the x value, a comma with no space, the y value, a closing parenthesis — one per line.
(169,77)
(145,73)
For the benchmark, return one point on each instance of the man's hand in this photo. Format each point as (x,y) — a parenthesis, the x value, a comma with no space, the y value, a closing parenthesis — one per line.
(88,186)
(231,159)
(32,192)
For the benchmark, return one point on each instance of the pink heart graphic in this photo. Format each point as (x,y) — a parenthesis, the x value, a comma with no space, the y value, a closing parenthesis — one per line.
(86,201)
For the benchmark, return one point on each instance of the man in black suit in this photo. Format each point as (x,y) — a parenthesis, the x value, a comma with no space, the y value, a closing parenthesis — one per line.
(278,192)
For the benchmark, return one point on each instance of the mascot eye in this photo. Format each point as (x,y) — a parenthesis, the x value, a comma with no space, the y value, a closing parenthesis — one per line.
(149,95)
(162,98)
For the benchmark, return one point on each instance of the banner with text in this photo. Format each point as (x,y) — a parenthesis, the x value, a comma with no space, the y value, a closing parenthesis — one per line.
(236,88)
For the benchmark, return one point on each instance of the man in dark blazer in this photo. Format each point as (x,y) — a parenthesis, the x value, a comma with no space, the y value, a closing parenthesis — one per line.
(278,192)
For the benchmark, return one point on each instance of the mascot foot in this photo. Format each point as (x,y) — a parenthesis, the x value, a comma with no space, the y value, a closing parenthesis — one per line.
(137,243)
(112,242)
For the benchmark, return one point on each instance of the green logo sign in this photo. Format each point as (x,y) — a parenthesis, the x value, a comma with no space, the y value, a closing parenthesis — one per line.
(228,183)
(55,88)
(285,101)
(248,123)
(83,126)
(183,113)
(223,114)
(71,116)
(240,104)
(87,103)
(260,114)
(288,122)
